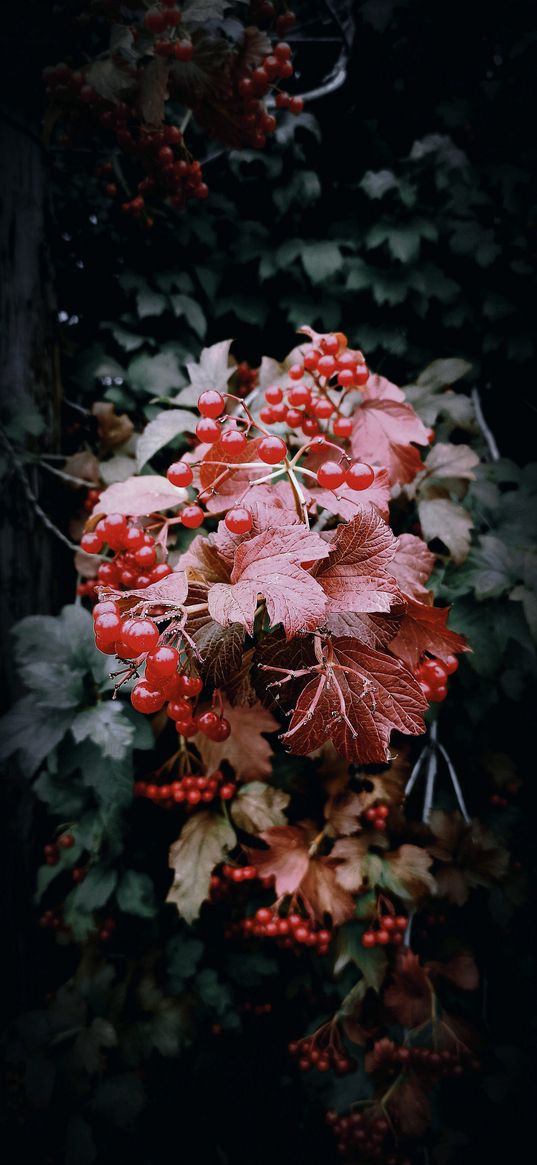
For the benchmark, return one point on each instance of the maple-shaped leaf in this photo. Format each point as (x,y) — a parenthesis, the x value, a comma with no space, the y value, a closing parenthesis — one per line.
(268,512)
(384,427)
(409,996)
(220,648)
(221,486)
(409,1106)
(469,855)
(444,519)
(356,576)
(204,841)
(371,629)
(460,969)
(454,462)
(292,861)
(268,566)
(424,628)
(168,592)
(404,872)
(355,698)
(203,561)
(258,806)
(346,502)
(139,496)
(246,749)
(412,566)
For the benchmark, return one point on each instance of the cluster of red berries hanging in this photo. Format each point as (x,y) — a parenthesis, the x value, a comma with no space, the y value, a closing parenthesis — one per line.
(133,563)
(323,1051)
(376,815)
(122,97)
(363,1133)
(432,675)
(434,1061)
(189,791)
(289,932)
(388,928)
(51,852)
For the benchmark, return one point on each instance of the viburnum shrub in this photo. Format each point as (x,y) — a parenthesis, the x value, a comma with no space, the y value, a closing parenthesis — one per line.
(300,608)
(134,99)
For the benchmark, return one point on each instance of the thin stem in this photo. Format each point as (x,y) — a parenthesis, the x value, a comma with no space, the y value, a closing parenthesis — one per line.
(432,768)
(490,439)
(454,782)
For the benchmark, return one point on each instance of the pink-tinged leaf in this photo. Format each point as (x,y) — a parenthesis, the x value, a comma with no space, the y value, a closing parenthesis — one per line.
(371,630)
(139,496)
(460,969)
(204,561)
(229,485)
(409,995)
(356,576)
(246,749)
(409,1107)
(169,592)
(267,565)
(412,566)
(269,514)
(347,503)
(424,628)
(356,700)
(300,872)
(205,840)
(384,427)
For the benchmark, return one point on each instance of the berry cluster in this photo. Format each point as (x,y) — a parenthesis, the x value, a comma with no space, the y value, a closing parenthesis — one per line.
(437,1061)
(53,920)
(363,1132)
(133,563)
(432,675)
(389,928)
(328,372)
(323,1051)
(52,850)
(292,931)
(376,816)
(189,791)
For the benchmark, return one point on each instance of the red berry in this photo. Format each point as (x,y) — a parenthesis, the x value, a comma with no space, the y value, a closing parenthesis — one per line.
(146,699)
(266,415)
(233,441)
(369,938)
(161,571)
(219,731)
(296,105)
(239,520)
(91,543)
(211,403)
(190,685)
(310,427)
(326,365)
(323,408)
(180,474)
(330,344)
(162,662)
(114,528)
(105,605)
(382,937)
(66,841)
(155,20)
(296,371)
(293,418)
(146,557)
(183,50)
(179,710)
(134,538)
(208,430)
(107,627)
(342,427)
(330,475)
(298,396)
(192,516)
(206,721)
(273,395)
(271,450)
(451,664)
(359,476)
(139,635)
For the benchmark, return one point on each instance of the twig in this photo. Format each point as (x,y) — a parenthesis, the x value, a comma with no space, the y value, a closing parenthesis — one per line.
(485,430)
(416,770)
(454,782)
(65,476)
(22,476)
(432,768)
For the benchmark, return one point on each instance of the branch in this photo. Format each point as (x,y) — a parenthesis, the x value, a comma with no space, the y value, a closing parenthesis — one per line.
(29,493)
(487,433)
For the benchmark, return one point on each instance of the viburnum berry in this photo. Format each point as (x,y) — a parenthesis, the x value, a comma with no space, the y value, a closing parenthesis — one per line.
(180,474)
(139,635)
(330,475)
(180,709)
(134,538)
(327,365)
(239,520)
(211,403)
(107,627)
(159,572)
(310,427)
(233,441)
(91,543)
(273,395)
(190,685)
(361,375)
(219,731)
(451,664)
(146,699)
(105,605)
(311,359)
(293,418)
(192,516)
(301,395)
(155,20)
(271,450)
(342,427)
(359,476)
(266,415)
(323,408)
(66,841)
(295,372)
(162,662)
(208,430)
(146,557)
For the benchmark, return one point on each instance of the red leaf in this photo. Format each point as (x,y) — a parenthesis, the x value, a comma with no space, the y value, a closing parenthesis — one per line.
(299,872)
(267,565)
(412,566)
(268,513)
(409,996)
(355,698)
(356,576)
(384,426)
(460,969)
(371,630)
(424,629)
(232,483)
(138,496)
(170,591)
(345,502)
(246,749)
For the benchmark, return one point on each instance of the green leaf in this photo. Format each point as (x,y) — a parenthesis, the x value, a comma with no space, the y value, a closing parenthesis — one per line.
(96,889)
(442,373)
(213,369)
(321,260)
(150,303)
(135,894)
(155,375)
(371,962)
(165,427)
(107,727)
(183,953)
(184,305)
(204,841)
(111,779)
(31,746)
(377,183)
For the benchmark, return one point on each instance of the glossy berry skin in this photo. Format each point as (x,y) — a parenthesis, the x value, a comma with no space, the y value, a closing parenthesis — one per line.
(107,627)
(146,699)
(219,731)
(273,395)
(361,375)
(162,662)
(91,543)
(266,415)
(271,450)
(211,403)
(105,605)
(293,418)
(299,396)
(192,516)
(233,441)
(239,520)
(327,365)
(208,431)
(450,664)
(206,722)
(323,408)
(139,635)
(146,557)
(161,571)
(310,427)
(180,474)
(134,539)
(115,530)
(359,476)
(330,475)
(296,371)
(342,427)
